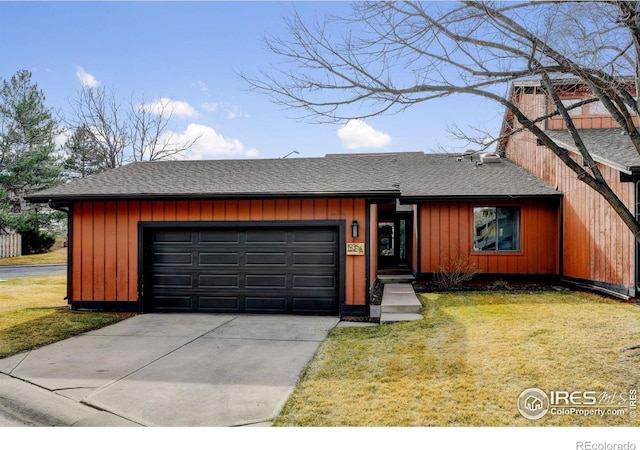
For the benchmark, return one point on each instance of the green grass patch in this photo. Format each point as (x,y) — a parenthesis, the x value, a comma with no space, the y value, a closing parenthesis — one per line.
(467,361)
(33,313)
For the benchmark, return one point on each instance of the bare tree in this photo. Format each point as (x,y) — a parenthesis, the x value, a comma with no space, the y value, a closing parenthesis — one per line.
(98,111)
(150,139)
(388,56)
(125,131)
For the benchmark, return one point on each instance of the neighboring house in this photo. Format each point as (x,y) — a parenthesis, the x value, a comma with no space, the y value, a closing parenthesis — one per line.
(598,250)
(272,235)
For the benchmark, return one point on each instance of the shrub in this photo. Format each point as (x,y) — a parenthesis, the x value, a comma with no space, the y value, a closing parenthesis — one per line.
(34,242)
(459,270)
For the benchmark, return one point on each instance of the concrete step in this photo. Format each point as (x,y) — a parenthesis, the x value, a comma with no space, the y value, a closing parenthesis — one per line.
(398,278)
(399,317)
(399,303)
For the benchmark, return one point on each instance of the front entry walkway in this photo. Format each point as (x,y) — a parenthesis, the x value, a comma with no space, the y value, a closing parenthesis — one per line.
(399,303)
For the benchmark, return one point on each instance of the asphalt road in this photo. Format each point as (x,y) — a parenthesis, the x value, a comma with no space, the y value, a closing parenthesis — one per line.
(32,271)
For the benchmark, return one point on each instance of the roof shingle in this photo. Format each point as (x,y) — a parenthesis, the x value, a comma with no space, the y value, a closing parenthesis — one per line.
(368,175)
(610,146)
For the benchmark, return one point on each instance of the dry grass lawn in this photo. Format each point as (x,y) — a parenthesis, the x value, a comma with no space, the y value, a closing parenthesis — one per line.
(33,313)
(468,360)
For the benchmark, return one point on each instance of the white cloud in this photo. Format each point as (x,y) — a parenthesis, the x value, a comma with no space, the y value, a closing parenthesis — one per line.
(209,144)
(62,138)
(209,106)
(357,134)
(202,86)
(168,106)
(86,79)
(237,114)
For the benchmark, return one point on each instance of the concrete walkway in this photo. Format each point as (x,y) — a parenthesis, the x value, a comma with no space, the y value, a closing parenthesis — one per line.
(163,370)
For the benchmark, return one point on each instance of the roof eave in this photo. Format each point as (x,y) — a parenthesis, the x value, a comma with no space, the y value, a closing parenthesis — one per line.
(386,194)
(462,197)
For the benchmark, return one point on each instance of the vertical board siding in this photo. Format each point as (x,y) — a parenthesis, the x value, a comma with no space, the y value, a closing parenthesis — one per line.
(104,256)
(446,233)
(597,246)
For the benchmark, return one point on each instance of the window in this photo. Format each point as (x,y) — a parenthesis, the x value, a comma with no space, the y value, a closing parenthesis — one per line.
(573,111)
(496,229)
(598,108)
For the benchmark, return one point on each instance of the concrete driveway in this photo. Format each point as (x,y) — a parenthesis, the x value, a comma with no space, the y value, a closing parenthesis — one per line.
(164,370)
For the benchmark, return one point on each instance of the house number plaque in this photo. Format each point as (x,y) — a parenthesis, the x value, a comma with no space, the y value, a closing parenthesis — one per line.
(354,248)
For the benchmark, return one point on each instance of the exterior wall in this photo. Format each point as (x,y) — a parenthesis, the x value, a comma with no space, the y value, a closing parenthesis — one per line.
(597,246)
(104,246)
(373,243)
(583,119)
(446,232)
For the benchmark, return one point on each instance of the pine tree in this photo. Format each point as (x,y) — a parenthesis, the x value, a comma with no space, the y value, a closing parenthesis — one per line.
(28,161)
(85,155)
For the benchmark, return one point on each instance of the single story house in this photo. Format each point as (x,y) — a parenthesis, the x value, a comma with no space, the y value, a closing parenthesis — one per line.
(298,235)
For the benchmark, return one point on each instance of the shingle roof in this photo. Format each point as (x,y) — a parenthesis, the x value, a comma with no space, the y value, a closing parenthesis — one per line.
(444,176)
(367,175)
(609,146)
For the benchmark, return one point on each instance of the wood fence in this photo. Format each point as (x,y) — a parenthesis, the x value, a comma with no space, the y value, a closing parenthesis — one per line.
(10,245)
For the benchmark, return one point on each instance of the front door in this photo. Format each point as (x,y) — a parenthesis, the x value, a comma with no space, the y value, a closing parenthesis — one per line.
(394,242)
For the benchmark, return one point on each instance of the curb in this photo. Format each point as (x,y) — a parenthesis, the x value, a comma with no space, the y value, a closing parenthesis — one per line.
(31,405)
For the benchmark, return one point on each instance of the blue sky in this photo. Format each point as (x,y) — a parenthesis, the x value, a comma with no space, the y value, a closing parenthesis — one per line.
(190,53)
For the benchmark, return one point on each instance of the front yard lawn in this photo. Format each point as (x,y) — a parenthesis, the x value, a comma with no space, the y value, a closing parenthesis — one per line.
(468,360)
(33,313)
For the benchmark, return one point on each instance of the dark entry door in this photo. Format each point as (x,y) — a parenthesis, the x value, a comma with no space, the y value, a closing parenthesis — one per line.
(253,269)
(394,242)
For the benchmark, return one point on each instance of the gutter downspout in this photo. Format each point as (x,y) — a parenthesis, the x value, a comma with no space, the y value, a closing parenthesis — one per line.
(66,209)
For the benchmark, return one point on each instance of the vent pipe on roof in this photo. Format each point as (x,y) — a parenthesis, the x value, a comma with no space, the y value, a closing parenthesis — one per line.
(487,158)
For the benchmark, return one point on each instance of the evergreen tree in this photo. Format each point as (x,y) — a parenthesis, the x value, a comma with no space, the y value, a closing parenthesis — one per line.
(85,155)
(28,162)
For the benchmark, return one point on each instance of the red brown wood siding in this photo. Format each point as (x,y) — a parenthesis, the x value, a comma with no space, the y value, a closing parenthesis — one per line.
(446,232)
(597,246)
(104,257)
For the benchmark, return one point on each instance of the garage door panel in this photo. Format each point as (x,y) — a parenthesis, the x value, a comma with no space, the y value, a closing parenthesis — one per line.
(220,280)
(231,259)
(168,236)
(266,258)
(314,281)
(284,269)
(266,281)
(314,236)
(315,259)
(173,280)
(173,302)
(218,303)
(173,259)
(266,237)
(218,237)
(266,304)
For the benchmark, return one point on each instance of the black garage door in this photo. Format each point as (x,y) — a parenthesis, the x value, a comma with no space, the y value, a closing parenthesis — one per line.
(249,269)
